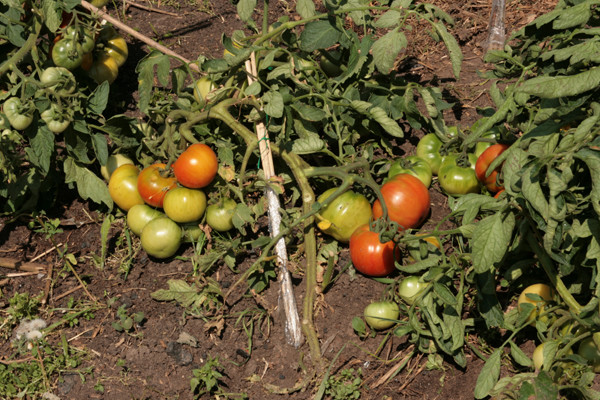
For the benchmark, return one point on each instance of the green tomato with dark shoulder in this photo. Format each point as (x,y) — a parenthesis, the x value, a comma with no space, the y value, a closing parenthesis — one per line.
(344,214)
(413,165)
(457,179)
(67,53)
(82,35)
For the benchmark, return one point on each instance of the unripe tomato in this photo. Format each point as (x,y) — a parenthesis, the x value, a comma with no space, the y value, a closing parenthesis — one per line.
(413,165)
(219,216)
(184,205)
(456,179)
(122,187)
(483,163)
(114,45)
(113,162)
(161,237)
(67,53)
(540,289)
(588,350)
(344,214)
(202,88)
(153,186)
(105,68)
(410,288)
(196,167)
(139,215)
(407,201)
(370,256)
(381,314)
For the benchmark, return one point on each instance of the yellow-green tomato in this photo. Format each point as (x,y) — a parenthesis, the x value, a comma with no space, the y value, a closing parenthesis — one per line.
(183,205)
(122,187)
(113,162)
(538,357)
(219,216)
(381,314)
(540,289)
(139,215)
(344,214)
(410,288)
(161,237)
(202,88)
(191,232)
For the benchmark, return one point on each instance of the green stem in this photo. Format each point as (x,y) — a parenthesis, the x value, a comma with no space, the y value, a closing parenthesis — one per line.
(23,51)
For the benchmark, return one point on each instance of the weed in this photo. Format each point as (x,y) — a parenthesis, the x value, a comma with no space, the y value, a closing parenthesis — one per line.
(344,385)
(21,306)
(207,380)
(127,323)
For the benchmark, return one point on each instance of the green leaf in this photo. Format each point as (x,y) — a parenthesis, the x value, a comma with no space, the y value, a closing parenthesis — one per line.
(444,294)
(388,19)
(519,356)
(532,191)
(489,375)
(99,98)
(89,185)
(319,35)
(545,387)
(577,15)
(491,240)
(422,265)
(273,104)
(245,8)
(592,159)
(456,55)
(308,145)
(41,149)
(308,112)
(306,8)
(52,18)
(550,87)
(386,49)
(145,70)
(179,290)
(379,115)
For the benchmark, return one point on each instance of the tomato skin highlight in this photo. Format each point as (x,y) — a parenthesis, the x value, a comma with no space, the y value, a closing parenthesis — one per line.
(407,200)
(184,205)
(161,237)
(381,314)
(455,179)
(196,167)
(483,163)
(344,214)
(370,256)
(219,216)
(122,187)
(153,186)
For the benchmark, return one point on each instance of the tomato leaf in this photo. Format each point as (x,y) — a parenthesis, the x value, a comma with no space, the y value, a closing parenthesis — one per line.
(592,159)
(545,387)
(52,18)
(273,104)
(99,98)
(491,240)
(379,115)
(89,185)
(388,19)
(319,35)
(309,112)
(41,149)
(306,8)
(546,86)
(576,15)
(145,70)
(308,145)
(456,55)
(489,375)
(518,355)
(422,265)
(245,8)
(386,49)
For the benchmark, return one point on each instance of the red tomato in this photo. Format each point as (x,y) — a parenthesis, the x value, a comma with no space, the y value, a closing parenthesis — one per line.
(482,164)
(369,255)
(407,201)
(153,186)
(196,167)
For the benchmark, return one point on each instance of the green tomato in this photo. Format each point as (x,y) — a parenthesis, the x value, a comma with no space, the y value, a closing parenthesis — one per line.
(480,147)
(59,80)
(161,237)
(202,88)
(139,215)
(410,288)
(413,165)
(589,350)
(428,149)
(344,214)
(19,115)
(56,119)
(67,53)
(381,314)
(82,35)
(331,63)
(191,232)
(183,205)
(219,216)
(456,179)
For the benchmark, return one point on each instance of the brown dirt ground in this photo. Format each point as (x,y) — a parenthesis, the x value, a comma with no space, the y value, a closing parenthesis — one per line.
(156,366)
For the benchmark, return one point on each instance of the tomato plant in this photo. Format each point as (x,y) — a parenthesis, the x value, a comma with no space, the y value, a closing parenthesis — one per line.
(413,165)
(184,205)
(370,256)
(407,201)
(113,162)
(344,214)
(19,115)
(381,314)
(67,53)
(219,216)
(104,68)
(196,167)
(410,288)
(538,295)
(483,162)
(161,237)
(123,187)
(154,183)
(455,178)
(139,215)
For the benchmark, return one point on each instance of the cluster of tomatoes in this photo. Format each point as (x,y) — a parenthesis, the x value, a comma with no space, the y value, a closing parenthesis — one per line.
(80,45)
(165,205)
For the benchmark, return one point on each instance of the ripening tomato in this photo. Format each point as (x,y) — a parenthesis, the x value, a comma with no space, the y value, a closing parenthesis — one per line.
(344,214)
(153,186)
(381,314)
(407,201)
(196,167)
(184,205)
(122,187)
(370,256)
(113,45)
(105,68)
(483,162)
(539,289)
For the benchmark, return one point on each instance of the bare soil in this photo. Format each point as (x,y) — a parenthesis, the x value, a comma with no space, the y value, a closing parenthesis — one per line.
(151,362)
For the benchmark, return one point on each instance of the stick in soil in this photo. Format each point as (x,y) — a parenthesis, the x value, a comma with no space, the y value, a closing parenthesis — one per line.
(286,295)
(13,263)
